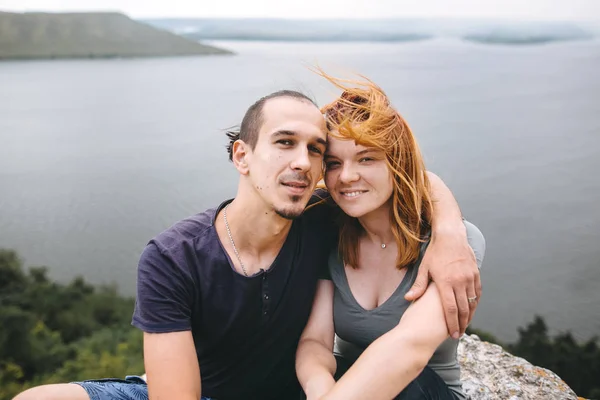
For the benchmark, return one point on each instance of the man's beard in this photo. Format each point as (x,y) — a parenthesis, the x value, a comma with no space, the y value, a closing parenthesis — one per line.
(291,213)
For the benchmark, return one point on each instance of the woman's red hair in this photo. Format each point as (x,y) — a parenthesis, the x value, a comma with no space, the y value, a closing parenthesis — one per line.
(363,113)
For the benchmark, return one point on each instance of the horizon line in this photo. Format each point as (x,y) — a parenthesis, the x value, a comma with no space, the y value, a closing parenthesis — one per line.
(302,18)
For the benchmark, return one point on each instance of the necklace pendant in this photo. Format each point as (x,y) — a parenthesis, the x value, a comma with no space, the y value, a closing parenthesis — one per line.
(383,245)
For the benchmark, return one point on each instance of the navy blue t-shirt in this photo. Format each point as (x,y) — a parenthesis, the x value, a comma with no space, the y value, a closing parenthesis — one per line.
(245,329)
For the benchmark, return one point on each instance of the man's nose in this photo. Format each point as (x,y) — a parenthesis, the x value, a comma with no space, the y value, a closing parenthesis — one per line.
(301,161)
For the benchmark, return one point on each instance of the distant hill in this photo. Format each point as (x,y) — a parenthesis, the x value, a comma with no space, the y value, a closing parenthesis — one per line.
(486,31)
(529,33)
(289,30)
(89,35)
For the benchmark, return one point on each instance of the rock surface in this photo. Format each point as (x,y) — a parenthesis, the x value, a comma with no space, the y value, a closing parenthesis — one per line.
(489,372)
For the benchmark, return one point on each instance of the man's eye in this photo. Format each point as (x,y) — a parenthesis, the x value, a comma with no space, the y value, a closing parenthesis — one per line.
(285,142)
(315,150)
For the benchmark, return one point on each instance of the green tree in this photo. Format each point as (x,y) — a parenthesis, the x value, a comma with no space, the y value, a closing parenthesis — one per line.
(577,364)
(55,333)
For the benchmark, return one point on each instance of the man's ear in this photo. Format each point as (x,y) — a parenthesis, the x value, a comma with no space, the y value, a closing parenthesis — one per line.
(239,157)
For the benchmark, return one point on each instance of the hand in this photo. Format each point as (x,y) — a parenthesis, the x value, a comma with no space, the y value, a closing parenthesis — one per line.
(451,264)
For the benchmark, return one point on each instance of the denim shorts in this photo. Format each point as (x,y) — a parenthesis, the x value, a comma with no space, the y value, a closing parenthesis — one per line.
(130,388)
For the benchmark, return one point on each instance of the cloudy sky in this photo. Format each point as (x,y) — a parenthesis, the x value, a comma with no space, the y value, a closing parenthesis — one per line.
(521,9)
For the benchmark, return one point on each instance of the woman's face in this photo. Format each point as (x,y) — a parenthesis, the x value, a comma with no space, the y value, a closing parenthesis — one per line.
(357,177)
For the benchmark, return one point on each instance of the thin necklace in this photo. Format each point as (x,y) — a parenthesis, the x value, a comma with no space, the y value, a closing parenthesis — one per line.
(231,239)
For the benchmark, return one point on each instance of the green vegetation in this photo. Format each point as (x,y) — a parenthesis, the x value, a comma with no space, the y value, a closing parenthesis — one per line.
(60,333)
(89,35)
(53,333)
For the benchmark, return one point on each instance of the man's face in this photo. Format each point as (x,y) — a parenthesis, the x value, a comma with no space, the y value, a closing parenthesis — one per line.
(286,163)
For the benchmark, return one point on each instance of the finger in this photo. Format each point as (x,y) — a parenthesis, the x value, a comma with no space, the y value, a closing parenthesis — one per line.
(418,288)
(450,309)
(463,308)
(473,300)
(478,289)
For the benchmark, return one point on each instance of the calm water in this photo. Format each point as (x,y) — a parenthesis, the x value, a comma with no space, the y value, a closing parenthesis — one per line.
(97,156)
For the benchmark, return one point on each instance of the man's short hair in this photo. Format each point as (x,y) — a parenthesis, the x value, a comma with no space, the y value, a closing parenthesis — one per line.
(253,119)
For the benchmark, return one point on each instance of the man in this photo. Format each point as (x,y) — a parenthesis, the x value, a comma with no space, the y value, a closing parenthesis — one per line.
(223,296)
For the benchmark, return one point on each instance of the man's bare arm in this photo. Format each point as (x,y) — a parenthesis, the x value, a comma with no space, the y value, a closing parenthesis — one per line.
(172,369)
(449,261)
(446,211)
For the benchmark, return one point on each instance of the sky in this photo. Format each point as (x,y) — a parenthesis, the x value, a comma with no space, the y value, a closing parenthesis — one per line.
(513,9)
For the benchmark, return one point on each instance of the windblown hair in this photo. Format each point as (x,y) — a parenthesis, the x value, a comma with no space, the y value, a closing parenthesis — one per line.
(363,113)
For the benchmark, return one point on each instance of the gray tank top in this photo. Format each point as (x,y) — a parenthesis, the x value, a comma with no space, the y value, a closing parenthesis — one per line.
(356,328)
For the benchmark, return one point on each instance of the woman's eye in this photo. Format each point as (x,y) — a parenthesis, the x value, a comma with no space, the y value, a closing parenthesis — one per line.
(365,159)
(331,164)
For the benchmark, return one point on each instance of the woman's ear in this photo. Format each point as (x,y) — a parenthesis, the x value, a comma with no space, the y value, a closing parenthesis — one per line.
(240,156)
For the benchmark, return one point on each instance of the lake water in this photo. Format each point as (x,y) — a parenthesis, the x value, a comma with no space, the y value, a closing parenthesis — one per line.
(97,156)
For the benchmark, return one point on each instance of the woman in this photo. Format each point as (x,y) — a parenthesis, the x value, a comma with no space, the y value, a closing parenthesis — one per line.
(386,348)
